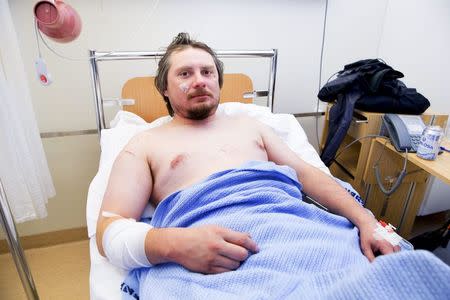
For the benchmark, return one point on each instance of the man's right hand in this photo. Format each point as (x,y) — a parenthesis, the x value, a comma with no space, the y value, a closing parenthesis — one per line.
(207,249)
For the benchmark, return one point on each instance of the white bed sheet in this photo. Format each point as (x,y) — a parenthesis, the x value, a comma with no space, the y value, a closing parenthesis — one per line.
(105,279)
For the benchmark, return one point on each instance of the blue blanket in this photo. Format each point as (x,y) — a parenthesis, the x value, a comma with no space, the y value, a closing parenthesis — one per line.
(305,252)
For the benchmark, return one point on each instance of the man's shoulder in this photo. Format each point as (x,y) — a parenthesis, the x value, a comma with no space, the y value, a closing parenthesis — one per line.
(242,118)
(153,131)
(143,138)
(247,122)
(150,135)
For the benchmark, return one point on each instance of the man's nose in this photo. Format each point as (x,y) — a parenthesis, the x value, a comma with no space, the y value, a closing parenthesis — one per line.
(199,80)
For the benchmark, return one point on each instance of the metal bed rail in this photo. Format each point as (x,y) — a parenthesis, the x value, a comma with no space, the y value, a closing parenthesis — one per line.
(9,227)
(97,56)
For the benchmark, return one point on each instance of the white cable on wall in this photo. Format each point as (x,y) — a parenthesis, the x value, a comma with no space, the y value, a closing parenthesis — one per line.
(382,27)
(320,72)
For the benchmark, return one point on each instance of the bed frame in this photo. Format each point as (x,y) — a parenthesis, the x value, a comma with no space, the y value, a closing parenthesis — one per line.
(139,95)
(149,104)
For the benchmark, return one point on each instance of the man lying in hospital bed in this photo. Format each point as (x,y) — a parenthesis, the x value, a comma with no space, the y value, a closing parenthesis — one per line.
(229,220)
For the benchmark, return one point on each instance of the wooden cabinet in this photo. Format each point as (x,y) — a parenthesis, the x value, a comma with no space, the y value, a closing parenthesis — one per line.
(356,166)
(350,164)
(400,208)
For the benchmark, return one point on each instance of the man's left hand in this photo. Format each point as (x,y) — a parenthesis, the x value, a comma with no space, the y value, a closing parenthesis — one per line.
(371,246)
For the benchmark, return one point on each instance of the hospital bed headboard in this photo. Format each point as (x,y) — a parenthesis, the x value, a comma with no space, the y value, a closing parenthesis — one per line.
(141,89)
(149,104)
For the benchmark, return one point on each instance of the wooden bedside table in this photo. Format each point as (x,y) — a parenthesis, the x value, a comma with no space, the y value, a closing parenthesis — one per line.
(404,203)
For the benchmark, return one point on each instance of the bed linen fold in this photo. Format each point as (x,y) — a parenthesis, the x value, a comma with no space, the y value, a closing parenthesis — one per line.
(305,252)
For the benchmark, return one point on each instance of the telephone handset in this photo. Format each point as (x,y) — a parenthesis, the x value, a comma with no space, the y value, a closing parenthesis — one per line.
(404,130)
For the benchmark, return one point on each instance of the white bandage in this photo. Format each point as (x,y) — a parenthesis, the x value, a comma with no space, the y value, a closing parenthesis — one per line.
(386,232)
(184,87)
(108,214)
(124,244)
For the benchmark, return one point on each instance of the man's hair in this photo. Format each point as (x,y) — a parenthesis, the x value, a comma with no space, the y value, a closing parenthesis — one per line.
(180,42)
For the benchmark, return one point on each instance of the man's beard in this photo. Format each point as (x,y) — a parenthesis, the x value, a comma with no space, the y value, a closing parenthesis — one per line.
(201,111)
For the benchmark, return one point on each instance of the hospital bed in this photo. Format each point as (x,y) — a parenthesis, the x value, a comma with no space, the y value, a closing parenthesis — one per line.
(149,111)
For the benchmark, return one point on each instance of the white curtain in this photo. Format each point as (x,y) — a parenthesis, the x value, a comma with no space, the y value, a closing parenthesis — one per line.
(23,166)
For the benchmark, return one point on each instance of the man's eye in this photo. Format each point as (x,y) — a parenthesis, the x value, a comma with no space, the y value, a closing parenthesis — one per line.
(207,72)
(183,74)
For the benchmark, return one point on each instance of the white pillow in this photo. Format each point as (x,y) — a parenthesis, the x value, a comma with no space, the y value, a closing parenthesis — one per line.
(126,124)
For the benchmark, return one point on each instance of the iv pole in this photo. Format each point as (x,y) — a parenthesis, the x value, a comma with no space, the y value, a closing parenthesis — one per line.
(9,227)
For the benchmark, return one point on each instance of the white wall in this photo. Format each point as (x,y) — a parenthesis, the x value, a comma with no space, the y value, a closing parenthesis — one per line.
(416,41)
(353,32)
(412,36)
(294,27)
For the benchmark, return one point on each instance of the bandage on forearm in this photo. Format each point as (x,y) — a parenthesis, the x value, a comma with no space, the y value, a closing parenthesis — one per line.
(124,243)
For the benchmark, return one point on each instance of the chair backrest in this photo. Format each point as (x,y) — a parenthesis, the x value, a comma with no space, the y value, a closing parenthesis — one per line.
(150,105)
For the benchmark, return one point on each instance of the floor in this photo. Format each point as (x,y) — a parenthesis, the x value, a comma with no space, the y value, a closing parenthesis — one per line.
(59,272)
(443,254)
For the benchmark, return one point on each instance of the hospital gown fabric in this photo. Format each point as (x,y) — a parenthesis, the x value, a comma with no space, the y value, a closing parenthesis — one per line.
(305,252)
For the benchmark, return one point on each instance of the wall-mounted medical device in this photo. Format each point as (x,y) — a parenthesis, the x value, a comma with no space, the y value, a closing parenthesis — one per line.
(57,20)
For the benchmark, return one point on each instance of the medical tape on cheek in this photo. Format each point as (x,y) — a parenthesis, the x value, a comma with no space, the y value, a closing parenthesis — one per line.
(184,87)
(124,243)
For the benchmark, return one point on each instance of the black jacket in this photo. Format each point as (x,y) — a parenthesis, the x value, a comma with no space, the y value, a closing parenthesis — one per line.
(369,85)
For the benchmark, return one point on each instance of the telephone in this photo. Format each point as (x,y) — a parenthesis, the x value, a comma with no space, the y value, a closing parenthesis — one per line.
(404,130)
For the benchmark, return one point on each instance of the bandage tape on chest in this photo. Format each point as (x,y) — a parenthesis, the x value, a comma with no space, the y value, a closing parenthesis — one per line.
(124,243)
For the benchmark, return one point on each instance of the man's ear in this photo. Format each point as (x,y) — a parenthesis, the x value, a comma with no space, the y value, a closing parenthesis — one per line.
(166,93)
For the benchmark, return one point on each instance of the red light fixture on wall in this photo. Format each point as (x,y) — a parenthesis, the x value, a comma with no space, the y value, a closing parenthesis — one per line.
(57,20)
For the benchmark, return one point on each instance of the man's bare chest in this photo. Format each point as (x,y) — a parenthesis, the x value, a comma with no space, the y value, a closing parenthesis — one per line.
(197,150)
(180,161)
